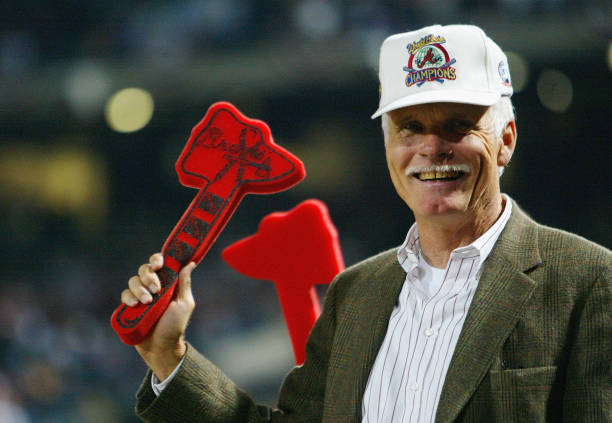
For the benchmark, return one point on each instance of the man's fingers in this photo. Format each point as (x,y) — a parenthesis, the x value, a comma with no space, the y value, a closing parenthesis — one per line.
(147,282)
(149,278)
(128,298)
(156,261)
(184,287)
(139,291)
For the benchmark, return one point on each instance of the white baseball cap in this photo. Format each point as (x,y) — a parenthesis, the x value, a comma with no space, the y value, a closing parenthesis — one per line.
(454,63)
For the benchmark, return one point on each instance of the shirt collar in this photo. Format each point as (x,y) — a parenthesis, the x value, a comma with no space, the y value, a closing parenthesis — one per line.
(409,253)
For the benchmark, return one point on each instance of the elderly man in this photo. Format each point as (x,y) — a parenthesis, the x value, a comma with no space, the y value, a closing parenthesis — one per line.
(481,315)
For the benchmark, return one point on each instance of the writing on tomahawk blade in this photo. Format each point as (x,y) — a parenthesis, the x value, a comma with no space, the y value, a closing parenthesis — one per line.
(240,153)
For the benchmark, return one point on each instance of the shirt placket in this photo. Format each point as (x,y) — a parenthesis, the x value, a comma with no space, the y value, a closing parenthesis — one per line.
(429,321)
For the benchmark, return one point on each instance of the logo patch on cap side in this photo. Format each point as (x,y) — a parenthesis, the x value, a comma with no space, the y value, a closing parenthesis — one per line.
(429,61)
(504,73)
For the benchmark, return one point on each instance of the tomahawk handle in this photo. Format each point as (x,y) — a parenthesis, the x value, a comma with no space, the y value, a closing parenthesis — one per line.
(189,241)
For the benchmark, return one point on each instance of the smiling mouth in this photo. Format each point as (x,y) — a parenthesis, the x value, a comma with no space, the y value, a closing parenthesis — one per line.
(439,173)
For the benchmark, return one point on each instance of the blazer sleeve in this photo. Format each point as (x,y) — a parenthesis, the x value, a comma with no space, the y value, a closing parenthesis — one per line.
(588,387)
(202,393)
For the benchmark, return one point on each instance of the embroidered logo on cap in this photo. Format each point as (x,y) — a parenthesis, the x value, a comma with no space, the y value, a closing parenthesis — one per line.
(428,61)
(504,73)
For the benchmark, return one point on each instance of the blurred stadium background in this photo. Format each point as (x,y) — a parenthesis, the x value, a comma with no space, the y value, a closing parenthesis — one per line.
(97,99)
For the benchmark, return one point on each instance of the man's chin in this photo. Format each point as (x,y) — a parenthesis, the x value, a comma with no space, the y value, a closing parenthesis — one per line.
(440,208)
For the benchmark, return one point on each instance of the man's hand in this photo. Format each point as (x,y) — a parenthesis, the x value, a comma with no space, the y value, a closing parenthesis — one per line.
(164,348)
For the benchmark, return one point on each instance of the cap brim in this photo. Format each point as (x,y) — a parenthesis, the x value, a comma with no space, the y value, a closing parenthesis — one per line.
(442,96)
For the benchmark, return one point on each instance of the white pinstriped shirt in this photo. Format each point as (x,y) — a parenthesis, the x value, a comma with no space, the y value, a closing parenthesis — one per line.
(407,377)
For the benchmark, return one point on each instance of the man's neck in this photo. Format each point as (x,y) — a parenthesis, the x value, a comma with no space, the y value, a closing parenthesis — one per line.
(439,236)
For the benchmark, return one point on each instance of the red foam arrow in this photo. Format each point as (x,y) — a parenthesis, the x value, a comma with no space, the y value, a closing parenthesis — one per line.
(296,250)
(226,157)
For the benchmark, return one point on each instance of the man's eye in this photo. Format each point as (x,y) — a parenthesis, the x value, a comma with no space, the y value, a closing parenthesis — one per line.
(460,126)
(464,125)
(411,128)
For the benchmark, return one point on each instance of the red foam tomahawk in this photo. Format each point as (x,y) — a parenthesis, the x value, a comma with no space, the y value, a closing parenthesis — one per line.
(227,156)
(296,250)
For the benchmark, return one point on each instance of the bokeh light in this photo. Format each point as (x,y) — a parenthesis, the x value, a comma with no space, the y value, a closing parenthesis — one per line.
(65,181)
(555,90)
(317,18)
(86,87)
(129,110)
(519,71)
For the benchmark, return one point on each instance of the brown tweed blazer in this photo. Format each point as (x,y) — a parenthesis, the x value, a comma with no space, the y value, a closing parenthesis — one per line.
(536,345)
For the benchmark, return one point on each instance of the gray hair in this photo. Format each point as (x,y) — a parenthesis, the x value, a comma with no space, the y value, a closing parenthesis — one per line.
(500,114)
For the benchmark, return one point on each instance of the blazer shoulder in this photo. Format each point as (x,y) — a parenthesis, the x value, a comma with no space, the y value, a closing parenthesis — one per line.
(524,229)
(573,258)
(560,243)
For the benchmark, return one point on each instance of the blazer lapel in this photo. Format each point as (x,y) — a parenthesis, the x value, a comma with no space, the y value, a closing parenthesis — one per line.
(385,299)
(502,293)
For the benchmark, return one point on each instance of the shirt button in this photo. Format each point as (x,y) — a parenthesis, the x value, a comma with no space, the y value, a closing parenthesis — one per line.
(429,332)
(414,387)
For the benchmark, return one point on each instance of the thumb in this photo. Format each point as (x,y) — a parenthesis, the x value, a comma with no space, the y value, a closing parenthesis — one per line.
(184,283)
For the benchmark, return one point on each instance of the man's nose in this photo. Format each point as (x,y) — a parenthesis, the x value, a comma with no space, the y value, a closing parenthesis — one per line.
(435,147)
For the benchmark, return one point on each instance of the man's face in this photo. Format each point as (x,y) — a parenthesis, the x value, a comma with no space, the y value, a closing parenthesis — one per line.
(443,159)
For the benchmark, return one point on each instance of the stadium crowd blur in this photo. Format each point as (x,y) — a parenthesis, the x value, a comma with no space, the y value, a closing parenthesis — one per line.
(88,190)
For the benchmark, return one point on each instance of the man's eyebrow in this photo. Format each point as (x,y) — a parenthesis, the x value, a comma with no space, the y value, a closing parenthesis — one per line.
(406,118)
(458,117)
(463,116)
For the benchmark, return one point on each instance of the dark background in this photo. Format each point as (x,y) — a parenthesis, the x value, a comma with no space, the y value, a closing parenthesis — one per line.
(81,206)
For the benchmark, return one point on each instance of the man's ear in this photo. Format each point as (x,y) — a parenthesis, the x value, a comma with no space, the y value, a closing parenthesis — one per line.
(508,139)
